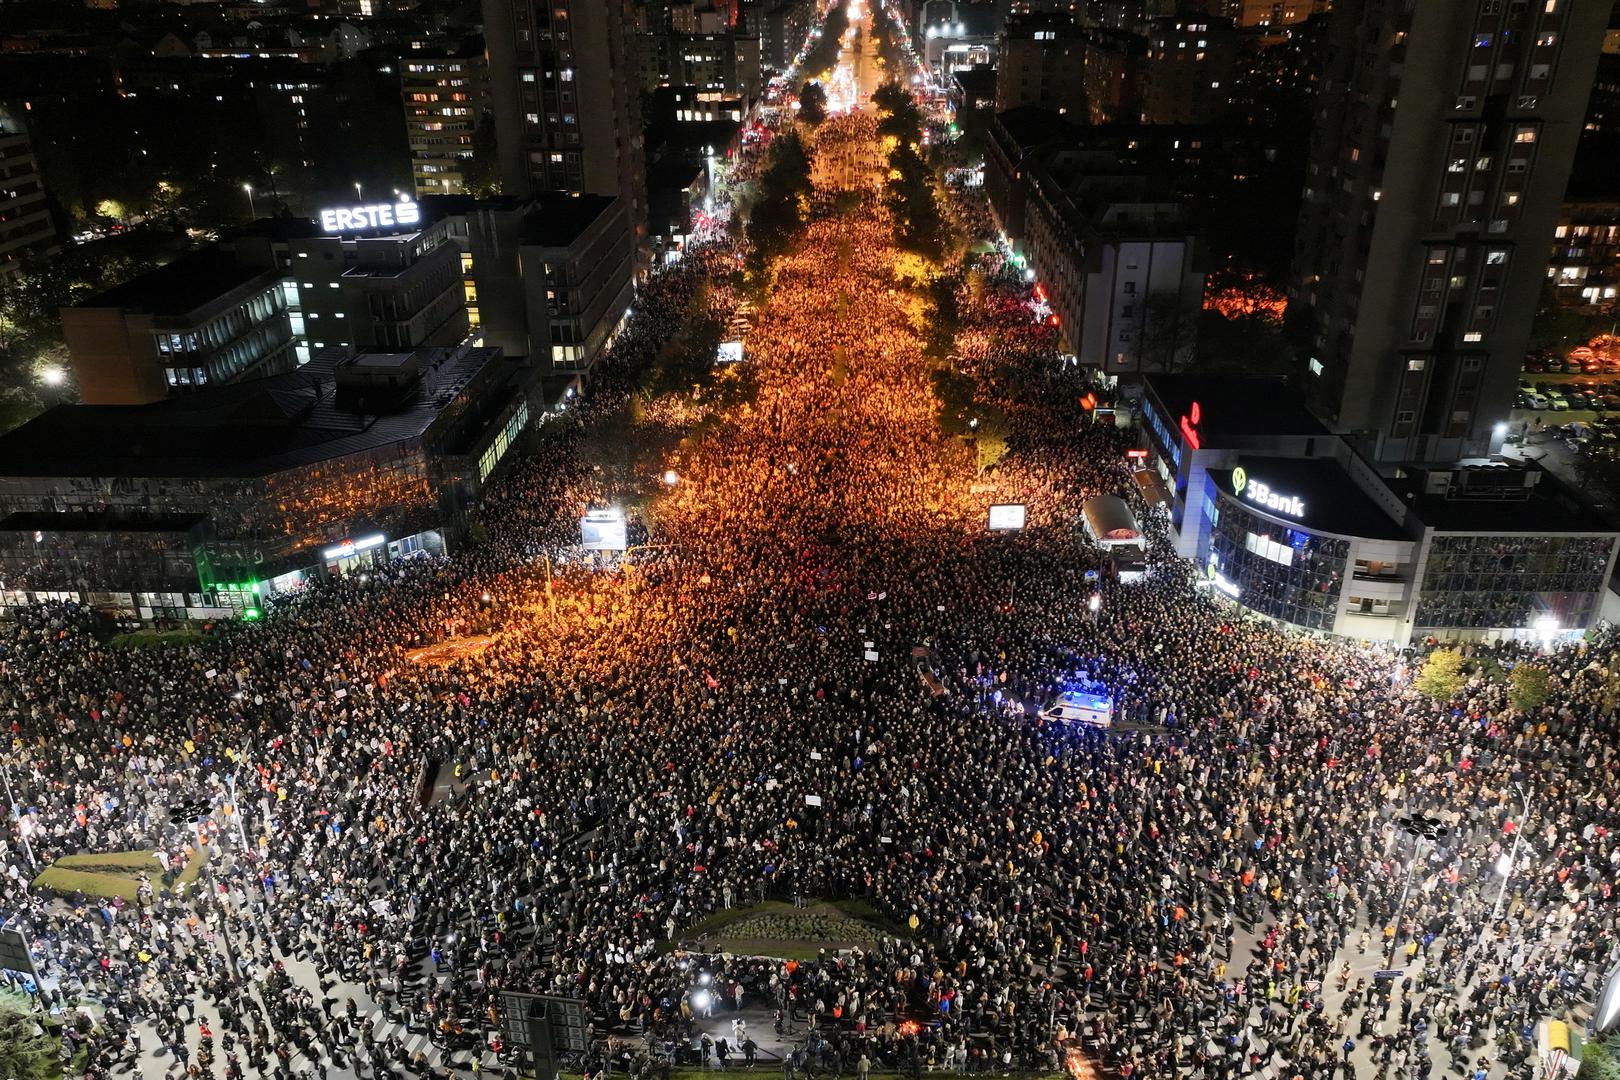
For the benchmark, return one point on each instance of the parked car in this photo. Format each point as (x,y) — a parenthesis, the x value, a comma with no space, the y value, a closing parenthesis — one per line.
(1535,365)
(1533,401)
(1557,402)
(1609,401)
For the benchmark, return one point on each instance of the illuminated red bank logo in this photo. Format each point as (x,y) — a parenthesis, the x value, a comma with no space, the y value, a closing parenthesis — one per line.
(1189,425)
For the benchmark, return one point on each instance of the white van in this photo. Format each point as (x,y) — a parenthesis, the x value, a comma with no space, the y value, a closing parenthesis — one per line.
(1073,707)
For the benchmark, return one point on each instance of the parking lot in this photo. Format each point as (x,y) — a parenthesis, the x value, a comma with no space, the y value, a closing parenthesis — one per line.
(1559,416)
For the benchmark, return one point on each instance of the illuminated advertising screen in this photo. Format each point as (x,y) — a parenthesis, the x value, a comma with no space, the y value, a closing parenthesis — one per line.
(1006,517)
(729,352)
(602,530)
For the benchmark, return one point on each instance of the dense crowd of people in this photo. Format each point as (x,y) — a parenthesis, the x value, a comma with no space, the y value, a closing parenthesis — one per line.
(735,713)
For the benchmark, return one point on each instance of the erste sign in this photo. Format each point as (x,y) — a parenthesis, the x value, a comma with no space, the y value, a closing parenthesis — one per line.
(376,216)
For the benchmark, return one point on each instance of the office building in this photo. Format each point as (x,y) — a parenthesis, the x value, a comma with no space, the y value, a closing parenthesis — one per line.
(565,94)
(1289,521)
(1116,261)
(1112,253)
(199,321)
(1042,62)
(265,299)
(25,223)
(204,506)
(1442,146)
(446,95)
(552,276)
(361,286)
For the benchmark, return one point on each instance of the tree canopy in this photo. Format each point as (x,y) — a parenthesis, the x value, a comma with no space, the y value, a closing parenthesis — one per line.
(812,103)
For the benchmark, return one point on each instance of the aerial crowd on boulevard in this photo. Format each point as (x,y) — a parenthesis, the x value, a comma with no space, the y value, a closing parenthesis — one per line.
(734,714)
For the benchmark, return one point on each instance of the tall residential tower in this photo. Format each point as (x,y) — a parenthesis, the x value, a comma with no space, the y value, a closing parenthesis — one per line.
(1443,142)
(563,84)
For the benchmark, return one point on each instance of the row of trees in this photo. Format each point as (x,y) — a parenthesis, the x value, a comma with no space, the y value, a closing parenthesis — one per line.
(1445,673)
(909,192)
(812,103)
(823,52)
(782,201)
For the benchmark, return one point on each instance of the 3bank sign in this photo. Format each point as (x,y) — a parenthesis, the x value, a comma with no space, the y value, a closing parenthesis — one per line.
(343,219)
(1255,491)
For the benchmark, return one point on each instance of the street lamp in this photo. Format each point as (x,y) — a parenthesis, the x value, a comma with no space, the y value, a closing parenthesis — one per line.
(16,812)
(53,376)
(252,213)
(357,192)
(1419,827)
(1506,862)
(671,477)
(1546,626)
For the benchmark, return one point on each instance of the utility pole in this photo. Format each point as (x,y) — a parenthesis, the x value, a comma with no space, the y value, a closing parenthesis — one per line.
(551,601)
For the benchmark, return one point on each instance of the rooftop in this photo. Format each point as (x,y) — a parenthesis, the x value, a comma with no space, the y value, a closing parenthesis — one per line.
(977,82)
(247,429)
(1235,404)
(1029,126)
(558,218)
(1550,508)
(182,286)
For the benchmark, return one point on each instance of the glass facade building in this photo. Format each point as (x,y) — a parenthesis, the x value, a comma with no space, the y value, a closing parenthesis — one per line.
(253,336)
(1289,574)
(1513,581)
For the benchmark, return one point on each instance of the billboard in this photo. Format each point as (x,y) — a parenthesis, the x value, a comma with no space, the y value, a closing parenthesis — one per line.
(1006,517)
(729,352)
(603,530)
